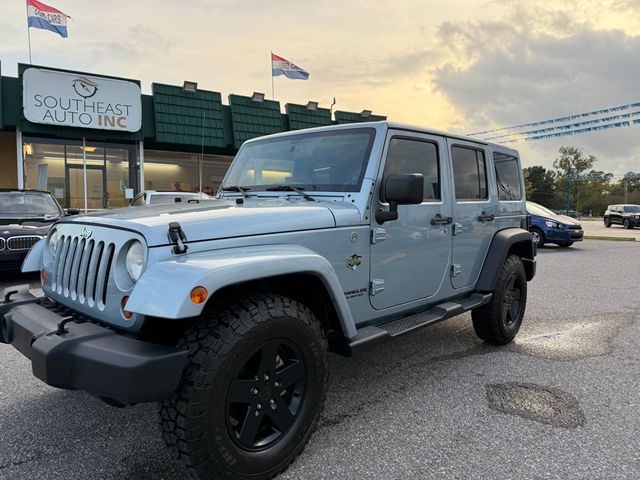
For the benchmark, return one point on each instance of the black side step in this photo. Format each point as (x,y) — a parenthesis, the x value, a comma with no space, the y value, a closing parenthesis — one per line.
(370,336)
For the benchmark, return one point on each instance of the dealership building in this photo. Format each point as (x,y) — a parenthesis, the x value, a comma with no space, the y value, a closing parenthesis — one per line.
(95,141)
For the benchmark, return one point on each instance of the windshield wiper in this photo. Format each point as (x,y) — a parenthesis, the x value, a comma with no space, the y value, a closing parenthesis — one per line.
(284,187)
(237,188)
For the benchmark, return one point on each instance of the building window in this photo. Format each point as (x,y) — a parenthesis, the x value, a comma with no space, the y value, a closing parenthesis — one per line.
(65,167)
(175,171)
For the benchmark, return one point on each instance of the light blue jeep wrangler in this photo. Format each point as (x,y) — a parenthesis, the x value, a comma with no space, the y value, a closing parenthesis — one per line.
(335,238)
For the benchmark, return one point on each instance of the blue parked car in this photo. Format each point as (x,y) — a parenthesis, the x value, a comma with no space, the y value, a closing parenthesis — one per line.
(547,227)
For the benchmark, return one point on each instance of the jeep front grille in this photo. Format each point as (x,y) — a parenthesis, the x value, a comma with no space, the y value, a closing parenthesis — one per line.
(23,242)
(81,269)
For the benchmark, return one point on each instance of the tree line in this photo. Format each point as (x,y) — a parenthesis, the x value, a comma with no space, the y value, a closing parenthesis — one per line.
(575,185)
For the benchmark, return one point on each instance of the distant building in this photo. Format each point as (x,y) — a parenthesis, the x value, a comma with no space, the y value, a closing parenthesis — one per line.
(95,141)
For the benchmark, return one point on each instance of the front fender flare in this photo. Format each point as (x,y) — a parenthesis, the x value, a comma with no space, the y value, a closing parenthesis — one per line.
(164,288)
(33,260)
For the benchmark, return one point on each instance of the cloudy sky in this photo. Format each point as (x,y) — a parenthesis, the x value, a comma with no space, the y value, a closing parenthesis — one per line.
(458,65)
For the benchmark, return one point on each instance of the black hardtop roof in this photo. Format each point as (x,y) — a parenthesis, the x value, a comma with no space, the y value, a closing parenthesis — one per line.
(396,126)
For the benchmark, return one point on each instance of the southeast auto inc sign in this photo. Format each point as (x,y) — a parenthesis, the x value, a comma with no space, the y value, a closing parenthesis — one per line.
(78,100)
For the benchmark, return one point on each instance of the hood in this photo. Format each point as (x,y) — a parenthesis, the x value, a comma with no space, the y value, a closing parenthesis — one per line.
(29,220)
(566,220)
(10,227)
(561,219)
(218,219)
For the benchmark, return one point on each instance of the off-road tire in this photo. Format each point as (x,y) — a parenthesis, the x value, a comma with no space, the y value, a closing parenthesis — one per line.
(491,322)
(195,420)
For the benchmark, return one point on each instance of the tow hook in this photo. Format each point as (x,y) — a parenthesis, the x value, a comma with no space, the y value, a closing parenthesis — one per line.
(61,325)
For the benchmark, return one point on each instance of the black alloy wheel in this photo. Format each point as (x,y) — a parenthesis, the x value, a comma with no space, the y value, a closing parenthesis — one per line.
(265,396)
(498,322)
(607,222)
(626,224)
(511,300)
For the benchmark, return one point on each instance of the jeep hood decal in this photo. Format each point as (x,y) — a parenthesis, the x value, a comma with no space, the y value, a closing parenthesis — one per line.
(217,219)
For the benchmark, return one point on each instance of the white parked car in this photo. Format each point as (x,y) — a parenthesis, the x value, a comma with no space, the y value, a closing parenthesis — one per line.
(155,197)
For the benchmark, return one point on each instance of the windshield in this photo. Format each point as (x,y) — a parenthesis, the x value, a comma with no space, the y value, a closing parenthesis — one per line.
(632,209)
(536,209)
(328,161)
(28,203)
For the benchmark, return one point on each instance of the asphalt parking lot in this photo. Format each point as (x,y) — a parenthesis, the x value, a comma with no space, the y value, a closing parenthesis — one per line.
(596,227)
(563,401)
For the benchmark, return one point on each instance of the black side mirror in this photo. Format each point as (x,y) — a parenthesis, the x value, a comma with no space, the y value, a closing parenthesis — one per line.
(72,211)
(405,189)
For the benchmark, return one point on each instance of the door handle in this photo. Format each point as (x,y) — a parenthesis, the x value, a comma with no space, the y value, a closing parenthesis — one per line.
(486,218)
(438,220)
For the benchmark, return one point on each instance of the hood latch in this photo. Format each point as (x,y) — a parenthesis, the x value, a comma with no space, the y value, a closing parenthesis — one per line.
(177,237)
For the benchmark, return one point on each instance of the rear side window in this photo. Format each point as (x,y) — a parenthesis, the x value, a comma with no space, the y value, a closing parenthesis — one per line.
(507,177)
(414,156)
(469,173)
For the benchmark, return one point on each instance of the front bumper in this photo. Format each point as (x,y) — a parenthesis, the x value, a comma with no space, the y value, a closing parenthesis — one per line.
(12,260)
(564,235)
(73,353)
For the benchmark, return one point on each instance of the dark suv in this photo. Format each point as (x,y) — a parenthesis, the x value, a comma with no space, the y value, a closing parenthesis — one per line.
(626,215)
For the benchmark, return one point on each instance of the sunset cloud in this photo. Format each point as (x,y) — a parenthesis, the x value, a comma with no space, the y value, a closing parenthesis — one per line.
(454,65)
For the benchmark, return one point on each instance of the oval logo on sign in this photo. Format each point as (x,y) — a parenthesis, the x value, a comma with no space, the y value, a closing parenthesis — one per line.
(86,233)
(85,87)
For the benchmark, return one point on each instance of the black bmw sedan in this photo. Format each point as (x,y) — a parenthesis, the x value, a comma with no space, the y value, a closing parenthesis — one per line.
(25,217)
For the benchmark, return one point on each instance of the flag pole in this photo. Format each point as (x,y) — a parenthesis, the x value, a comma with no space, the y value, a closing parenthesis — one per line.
(26,8)
(273,95)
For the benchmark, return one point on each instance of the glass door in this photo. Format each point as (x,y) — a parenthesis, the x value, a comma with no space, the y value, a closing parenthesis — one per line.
(57,165)
(95,187)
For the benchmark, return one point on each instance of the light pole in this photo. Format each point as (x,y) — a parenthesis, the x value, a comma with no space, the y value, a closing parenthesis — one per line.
(201,157)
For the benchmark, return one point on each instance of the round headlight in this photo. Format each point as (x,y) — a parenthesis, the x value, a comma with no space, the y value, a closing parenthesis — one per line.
(54,238)
(134,260)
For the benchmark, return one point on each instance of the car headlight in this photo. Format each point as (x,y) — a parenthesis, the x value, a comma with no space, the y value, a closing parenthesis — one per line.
(134,260)
(552,224)
(54,238)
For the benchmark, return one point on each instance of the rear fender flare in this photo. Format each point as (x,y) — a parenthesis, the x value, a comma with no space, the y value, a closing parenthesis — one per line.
(505,241)
(165,286)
